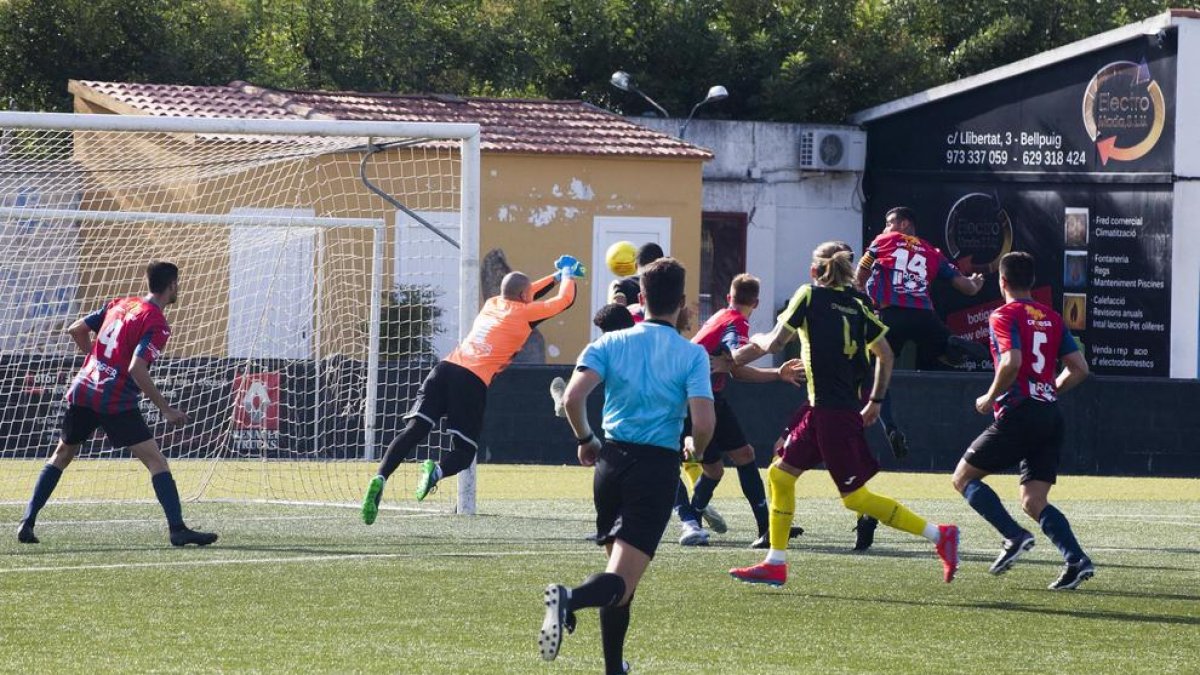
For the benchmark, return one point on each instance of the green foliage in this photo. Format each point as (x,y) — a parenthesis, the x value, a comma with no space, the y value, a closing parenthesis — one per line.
(409,319)
(788,60)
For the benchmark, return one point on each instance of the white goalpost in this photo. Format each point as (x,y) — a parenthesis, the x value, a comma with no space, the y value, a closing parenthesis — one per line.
(325,267)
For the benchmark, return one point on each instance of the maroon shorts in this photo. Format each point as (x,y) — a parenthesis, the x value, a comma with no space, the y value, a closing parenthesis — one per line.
(834,437)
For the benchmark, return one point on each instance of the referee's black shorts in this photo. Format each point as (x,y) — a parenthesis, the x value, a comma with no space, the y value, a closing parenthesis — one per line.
(1029,434)
(634,491)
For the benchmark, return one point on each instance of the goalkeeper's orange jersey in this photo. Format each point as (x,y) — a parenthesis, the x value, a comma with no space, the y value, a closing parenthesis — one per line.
(503,326)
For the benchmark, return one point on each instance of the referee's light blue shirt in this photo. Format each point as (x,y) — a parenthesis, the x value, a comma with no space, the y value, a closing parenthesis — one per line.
(649,373)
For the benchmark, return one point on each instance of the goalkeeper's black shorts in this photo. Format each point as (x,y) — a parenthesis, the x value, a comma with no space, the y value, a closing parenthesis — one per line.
(634,491)
(456,393)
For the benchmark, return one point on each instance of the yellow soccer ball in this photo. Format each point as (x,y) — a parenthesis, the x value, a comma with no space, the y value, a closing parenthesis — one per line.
(622,258)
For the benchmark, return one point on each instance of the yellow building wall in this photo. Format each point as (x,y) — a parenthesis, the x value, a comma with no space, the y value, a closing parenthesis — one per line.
(529,209)
(532,207)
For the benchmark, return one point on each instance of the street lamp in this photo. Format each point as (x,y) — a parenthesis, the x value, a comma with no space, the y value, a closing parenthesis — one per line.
(622,80)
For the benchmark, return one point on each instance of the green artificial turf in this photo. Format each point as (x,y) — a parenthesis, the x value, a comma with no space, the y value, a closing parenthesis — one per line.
(312,589)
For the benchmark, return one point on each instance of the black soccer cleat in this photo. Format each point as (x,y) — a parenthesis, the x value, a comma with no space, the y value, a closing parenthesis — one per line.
(559,621)
(764,539)
(1073,575)
(25,534)
(189,536)
(864,533)
(1013,549)
(899,443)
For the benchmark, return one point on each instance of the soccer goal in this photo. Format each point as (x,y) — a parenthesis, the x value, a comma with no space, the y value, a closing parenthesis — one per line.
(325,266)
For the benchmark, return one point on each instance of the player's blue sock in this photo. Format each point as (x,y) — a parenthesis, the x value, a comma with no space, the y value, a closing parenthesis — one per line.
(987,503)
(683,507)
(703,492)
(885,413)
(1055,525)
(42,490)
(168,496)
(756,494)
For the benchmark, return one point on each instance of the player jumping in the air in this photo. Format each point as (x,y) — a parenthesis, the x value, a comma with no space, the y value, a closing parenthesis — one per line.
(724,332)
(836,329)
(457,386)
(651,376)
(1028,342)
(130,334)
(897,270)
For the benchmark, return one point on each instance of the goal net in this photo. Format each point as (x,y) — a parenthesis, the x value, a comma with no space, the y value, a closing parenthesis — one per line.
(310,307)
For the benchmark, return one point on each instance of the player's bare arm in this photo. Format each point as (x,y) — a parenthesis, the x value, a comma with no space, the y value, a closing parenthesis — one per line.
(1075,371)
(704,421)
(863,271)
(81,334)
(756,375)
(967,285)
(1006,374)
(139,370)
(583,381)
(762,344)
(884,360)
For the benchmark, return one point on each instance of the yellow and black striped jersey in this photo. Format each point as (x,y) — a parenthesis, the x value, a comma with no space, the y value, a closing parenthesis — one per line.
(836,329)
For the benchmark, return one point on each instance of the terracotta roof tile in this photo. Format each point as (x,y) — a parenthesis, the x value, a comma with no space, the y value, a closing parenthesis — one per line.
(507,125)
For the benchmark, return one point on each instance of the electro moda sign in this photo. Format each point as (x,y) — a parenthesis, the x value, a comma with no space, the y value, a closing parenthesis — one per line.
(1124,111)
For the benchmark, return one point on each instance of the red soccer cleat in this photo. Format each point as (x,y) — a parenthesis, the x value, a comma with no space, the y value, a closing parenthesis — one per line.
(947,549)
(762,573)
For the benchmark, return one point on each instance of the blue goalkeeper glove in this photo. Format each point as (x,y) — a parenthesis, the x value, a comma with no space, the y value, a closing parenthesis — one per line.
(578,270)
(565,262)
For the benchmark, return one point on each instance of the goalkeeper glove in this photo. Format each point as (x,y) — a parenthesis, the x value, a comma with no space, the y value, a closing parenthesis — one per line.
(565,262)
(578,270)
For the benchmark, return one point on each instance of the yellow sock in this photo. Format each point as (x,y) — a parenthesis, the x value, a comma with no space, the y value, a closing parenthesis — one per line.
(692,470)
(884,509)
(783,504)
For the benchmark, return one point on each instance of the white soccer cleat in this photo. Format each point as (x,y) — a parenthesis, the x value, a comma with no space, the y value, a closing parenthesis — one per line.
(558,387)
(693,535)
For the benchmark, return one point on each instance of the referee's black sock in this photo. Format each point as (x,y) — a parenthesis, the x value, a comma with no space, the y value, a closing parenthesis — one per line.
(614,623)
(416,431)
(703,492)
(756,494)
(599,590)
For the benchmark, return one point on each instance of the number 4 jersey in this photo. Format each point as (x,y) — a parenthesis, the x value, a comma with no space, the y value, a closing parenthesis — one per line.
(125,328)
(1038,333)
(902,268)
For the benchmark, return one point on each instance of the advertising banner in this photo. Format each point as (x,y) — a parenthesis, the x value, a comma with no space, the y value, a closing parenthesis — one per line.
(1071,163)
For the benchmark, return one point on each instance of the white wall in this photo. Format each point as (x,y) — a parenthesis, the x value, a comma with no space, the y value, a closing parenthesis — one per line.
(1185,277)
(754,171)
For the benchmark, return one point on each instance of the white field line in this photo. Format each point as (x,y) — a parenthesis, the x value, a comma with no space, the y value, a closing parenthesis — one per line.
(292,559)
(248,519)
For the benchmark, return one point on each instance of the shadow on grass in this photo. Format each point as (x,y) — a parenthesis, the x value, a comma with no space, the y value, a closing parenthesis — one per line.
(1040,610)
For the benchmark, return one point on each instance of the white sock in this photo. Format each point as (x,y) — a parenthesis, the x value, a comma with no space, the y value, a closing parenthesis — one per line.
(775,557)
(931,533)
(690,524)
(381,477)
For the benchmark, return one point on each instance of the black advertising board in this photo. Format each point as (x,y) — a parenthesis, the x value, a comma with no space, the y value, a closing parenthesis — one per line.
(1072,163)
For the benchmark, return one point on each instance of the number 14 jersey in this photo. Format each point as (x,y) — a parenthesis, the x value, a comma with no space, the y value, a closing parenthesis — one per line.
(902,268)
(125,328)
(1039,334)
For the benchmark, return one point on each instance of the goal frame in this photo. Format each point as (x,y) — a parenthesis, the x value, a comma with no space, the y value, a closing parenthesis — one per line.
(468,136)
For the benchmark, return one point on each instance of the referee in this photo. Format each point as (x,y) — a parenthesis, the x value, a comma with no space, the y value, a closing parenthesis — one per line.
(652,376)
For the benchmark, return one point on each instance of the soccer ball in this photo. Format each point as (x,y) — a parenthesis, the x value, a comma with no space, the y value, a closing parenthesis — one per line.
(622,258)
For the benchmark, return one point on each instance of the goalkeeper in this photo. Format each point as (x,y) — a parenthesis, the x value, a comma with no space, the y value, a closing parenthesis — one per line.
(457,386)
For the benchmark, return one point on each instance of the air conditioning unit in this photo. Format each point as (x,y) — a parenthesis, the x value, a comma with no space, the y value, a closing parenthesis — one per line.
(825,149)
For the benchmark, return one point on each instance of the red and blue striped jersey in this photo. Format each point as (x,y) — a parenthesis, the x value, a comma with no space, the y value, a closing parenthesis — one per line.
(727,329)
(902,269)
(1038,332)
(125,328)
